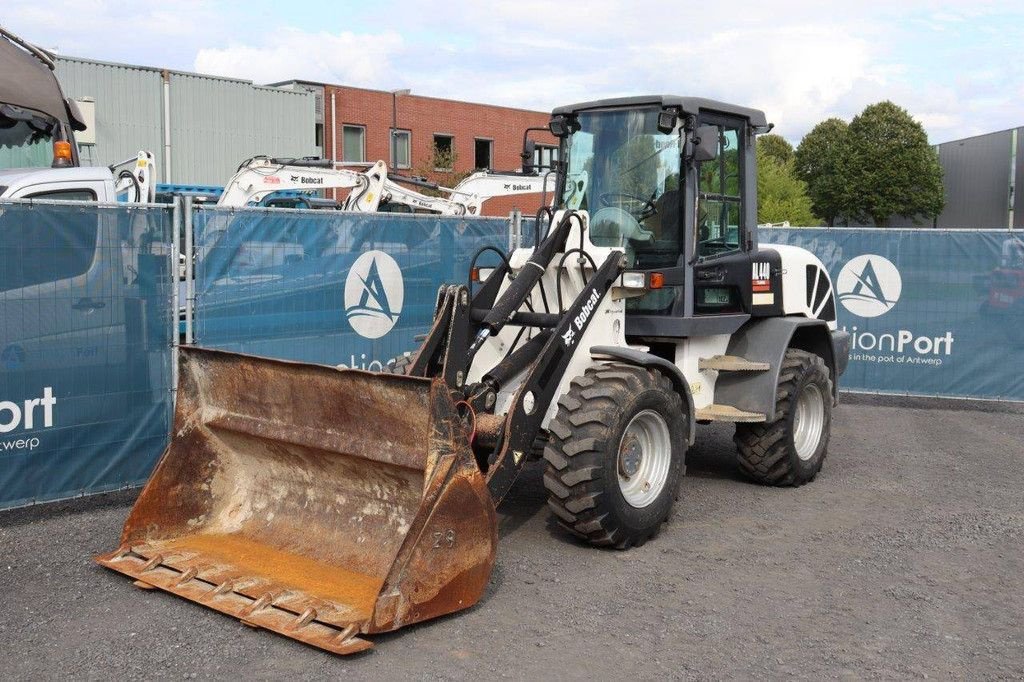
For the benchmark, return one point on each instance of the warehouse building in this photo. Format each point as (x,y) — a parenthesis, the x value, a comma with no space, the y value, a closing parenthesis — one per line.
(981,176)
(199,127)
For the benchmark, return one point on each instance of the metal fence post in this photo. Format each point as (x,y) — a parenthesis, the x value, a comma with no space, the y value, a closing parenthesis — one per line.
(190,282)
(515,232)
(176,228)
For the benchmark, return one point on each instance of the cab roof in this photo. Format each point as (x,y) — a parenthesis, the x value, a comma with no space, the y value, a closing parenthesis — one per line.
(688,105)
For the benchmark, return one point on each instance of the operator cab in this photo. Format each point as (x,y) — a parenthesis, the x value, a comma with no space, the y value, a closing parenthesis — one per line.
(672,181)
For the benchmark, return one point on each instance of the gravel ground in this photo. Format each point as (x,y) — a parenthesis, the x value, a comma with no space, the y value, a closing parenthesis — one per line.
(903,559)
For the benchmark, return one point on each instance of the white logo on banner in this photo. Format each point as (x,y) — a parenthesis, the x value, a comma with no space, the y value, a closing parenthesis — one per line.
(374,293)
(869,285)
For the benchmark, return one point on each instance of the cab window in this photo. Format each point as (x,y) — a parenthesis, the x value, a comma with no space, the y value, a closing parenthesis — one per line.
(720,198)
(37,248)
(64,195)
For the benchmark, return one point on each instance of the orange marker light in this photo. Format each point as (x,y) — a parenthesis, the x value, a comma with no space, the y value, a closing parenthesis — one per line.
(656,280)
(474,274)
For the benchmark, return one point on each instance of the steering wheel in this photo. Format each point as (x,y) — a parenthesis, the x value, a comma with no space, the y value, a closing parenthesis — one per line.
(647,207)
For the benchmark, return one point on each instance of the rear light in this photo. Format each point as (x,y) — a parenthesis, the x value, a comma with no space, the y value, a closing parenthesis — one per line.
(61,154)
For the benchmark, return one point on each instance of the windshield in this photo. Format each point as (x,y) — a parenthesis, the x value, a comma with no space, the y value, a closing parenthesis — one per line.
(26,138)
(625,173)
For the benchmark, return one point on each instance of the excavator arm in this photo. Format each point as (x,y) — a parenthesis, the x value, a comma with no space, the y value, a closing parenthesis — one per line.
(261,175)
(484,185)
(134,178)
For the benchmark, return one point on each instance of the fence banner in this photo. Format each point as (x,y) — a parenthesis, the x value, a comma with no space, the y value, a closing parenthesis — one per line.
(328,287)
(85,347)
(932,312)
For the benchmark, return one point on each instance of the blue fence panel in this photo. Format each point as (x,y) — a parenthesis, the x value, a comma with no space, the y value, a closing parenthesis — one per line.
(328,287)
(85,347)
(932,312)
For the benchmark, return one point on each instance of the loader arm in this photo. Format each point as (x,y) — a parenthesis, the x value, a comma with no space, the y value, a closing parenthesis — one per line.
(462,325)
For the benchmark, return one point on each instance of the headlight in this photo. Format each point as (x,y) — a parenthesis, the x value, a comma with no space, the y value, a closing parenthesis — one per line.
(634,280)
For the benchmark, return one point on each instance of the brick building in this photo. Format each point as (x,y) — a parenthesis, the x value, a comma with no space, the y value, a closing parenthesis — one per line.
(441,139)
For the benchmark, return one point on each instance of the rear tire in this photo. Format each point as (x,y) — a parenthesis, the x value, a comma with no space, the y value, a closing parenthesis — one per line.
(616,455)
(790,449)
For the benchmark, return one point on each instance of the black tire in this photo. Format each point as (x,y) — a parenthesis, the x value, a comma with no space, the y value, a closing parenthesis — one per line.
(767,451)
(582,453)
(399,365)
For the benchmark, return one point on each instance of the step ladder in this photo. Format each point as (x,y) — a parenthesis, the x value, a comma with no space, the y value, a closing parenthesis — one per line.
(728,413)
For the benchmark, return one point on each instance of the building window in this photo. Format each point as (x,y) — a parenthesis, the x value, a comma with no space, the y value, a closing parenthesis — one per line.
(353,144)
(544,156)
(444,152)
(484,152)
(401,142)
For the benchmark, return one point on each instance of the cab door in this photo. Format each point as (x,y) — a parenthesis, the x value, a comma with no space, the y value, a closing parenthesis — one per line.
(723,271)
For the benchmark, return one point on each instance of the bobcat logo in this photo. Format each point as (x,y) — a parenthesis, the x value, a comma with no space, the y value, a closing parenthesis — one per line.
(869,285)
(374,293)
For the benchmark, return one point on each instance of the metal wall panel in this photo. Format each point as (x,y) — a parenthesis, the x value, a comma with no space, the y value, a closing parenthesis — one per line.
(216,123)
(1018,193)
(129,108)
(977,181)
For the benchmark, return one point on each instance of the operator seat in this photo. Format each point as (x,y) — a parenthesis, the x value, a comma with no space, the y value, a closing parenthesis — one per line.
(665,224)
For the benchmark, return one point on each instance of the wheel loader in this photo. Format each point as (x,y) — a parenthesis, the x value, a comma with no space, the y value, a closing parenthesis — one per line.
(328,504)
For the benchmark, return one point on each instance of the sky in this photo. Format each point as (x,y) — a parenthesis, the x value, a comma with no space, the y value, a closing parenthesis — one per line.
(955,66)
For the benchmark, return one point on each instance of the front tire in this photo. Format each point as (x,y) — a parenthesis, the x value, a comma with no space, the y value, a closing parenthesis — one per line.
(615,455)
(790,449)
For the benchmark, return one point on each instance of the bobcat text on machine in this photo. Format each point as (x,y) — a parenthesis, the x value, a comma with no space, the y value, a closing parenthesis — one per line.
(326,504)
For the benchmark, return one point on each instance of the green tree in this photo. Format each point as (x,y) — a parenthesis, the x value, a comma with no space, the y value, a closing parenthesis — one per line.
(439,167)
(889,169)
(776,147)
(781,196)
(818,162)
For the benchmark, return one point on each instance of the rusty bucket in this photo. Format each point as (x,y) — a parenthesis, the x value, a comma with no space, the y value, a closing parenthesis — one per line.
(315,502)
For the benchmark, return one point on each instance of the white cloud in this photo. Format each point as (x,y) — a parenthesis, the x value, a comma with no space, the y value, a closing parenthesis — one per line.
(347,58)
(953,66)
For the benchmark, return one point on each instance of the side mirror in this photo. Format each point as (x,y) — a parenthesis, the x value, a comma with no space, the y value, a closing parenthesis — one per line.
(529,147)
(705,144)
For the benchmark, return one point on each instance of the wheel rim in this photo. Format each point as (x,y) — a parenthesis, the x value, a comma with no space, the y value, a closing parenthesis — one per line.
(808,421)
(645,454)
